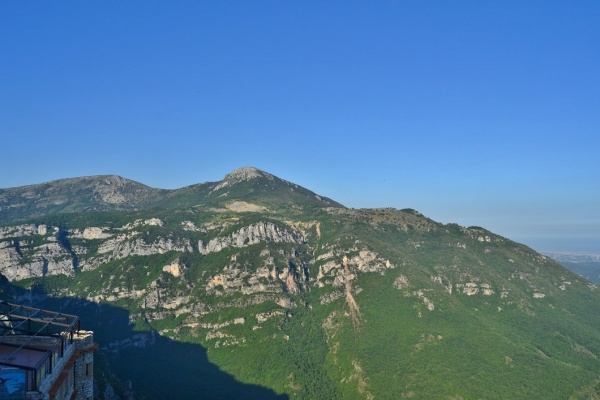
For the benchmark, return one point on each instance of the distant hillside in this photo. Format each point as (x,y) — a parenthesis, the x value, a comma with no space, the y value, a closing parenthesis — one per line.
(586,265)
(254,287)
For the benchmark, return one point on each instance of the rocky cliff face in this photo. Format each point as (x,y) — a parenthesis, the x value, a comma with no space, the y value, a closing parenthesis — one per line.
(33,250)
(249,235)
(28,251)
(268,262)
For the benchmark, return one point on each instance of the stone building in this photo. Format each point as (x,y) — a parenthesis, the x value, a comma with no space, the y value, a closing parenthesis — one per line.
(44,355)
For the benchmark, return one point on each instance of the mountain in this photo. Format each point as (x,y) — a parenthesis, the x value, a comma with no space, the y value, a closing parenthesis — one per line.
(87,194)
(254,287)
(114,193)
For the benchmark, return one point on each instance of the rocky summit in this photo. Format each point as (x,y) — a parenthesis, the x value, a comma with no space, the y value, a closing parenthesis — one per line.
(255,287)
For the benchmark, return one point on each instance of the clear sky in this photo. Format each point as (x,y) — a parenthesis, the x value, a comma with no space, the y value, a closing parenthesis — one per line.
(475,112)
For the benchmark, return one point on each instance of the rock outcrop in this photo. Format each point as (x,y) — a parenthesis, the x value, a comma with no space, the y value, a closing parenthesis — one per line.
(249,235)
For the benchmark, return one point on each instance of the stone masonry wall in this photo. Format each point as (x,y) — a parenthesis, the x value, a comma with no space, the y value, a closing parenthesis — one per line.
(84,365)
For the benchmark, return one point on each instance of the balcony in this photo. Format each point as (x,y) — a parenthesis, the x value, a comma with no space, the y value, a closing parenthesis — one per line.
(35,346)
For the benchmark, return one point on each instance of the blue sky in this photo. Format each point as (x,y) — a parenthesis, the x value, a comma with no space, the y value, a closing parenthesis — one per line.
(479,113)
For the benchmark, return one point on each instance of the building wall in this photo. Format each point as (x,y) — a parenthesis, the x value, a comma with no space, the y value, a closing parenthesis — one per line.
(74,372)
(84,365)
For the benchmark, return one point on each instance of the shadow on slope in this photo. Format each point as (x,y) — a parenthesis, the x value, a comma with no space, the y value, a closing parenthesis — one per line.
(156,366)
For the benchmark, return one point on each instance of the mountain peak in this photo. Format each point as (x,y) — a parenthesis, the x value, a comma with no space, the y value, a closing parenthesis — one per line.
(242,174)
(247,173)
(266,189)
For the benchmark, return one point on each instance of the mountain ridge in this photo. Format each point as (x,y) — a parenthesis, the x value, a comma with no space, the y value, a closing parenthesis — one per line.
(115,193)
